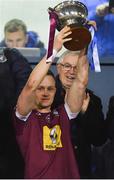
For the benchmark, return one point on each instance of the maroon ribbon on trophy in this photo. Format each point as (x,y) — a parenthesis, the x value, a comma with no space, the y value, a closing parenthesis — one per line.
(53,18)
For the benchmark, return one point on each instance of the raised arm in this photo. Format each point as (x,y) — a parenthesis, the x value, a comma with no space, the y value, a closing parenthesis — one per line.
(26,101)
(76,93)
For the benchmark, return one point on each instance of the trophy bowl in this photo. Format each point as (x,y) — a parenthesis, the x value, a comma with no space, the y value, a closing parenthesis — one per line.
(73,13)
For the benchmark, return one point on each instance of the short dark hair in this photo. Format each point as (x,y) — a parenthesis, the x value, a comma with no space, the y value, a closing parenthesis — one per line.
(50,73)
(15,25)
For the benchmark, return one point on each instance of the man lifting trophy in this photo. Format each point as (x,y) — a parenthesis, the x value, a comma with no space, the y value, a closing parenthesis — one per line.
(74,14)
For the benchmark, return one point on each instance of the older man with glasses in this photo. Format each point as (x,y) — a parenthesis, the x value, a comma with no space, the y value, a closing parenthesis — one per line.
(88,128)
(66,67)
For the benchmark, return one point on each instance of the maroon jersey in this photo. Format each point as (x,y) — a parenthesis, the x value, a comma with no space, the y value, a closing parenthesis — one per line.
(45,143)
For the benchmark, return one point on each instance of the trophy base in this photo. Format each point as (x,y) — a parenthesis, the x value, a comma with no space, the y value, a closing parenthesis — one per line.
(81,38)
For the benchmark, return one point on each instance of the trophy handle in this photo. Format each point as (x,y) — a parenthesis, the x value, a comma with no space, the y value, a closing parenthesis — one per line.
(51,10)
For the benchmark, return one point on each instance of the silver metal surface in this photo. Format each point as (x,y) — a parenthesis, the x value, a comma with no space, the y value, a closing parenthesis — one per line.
(70,13)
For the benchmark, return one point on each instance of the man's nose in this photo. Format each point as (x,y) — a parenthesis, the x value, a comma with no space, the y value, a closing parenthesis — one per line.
(14,44)
(72,70)
(45,93)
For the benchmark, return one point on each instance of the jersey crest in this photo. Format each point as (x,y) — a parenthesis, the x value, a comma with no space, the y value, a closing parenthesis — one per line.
(52,138)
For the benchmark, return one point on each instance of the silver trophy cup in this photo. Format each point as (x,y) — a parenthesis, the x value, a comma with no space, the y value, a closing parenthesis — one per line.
(73,13)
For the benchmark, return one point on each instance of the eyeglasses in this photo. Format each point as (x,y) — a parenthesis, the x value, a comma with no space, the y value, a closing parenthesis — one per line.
(68,67)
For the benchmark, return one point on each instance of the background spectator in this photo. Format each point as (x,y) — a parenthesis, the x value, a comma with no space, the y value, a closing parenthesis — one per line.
(104,34)
(14,72)
(16,35)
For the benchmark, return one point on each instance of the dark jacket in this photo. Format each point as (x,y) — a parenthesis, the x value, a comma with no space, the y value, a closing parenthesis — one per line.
(86,130)
(110,119)
(105,160)
(14,73)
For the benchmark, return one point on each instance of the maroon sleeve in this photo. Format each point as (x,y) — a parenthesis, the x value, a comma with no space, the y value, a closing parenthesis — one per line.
(19,127)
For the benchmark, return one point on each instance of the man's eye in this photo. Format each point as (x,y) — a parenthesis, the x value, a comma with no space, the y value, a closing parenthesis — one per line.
(67,65)
(19,40)
(40,88)
(50,89)
(9,41)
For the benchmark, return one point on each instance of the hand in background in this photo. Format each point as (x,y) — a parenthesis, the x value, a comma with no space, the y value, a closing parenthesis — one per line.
(92,23)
